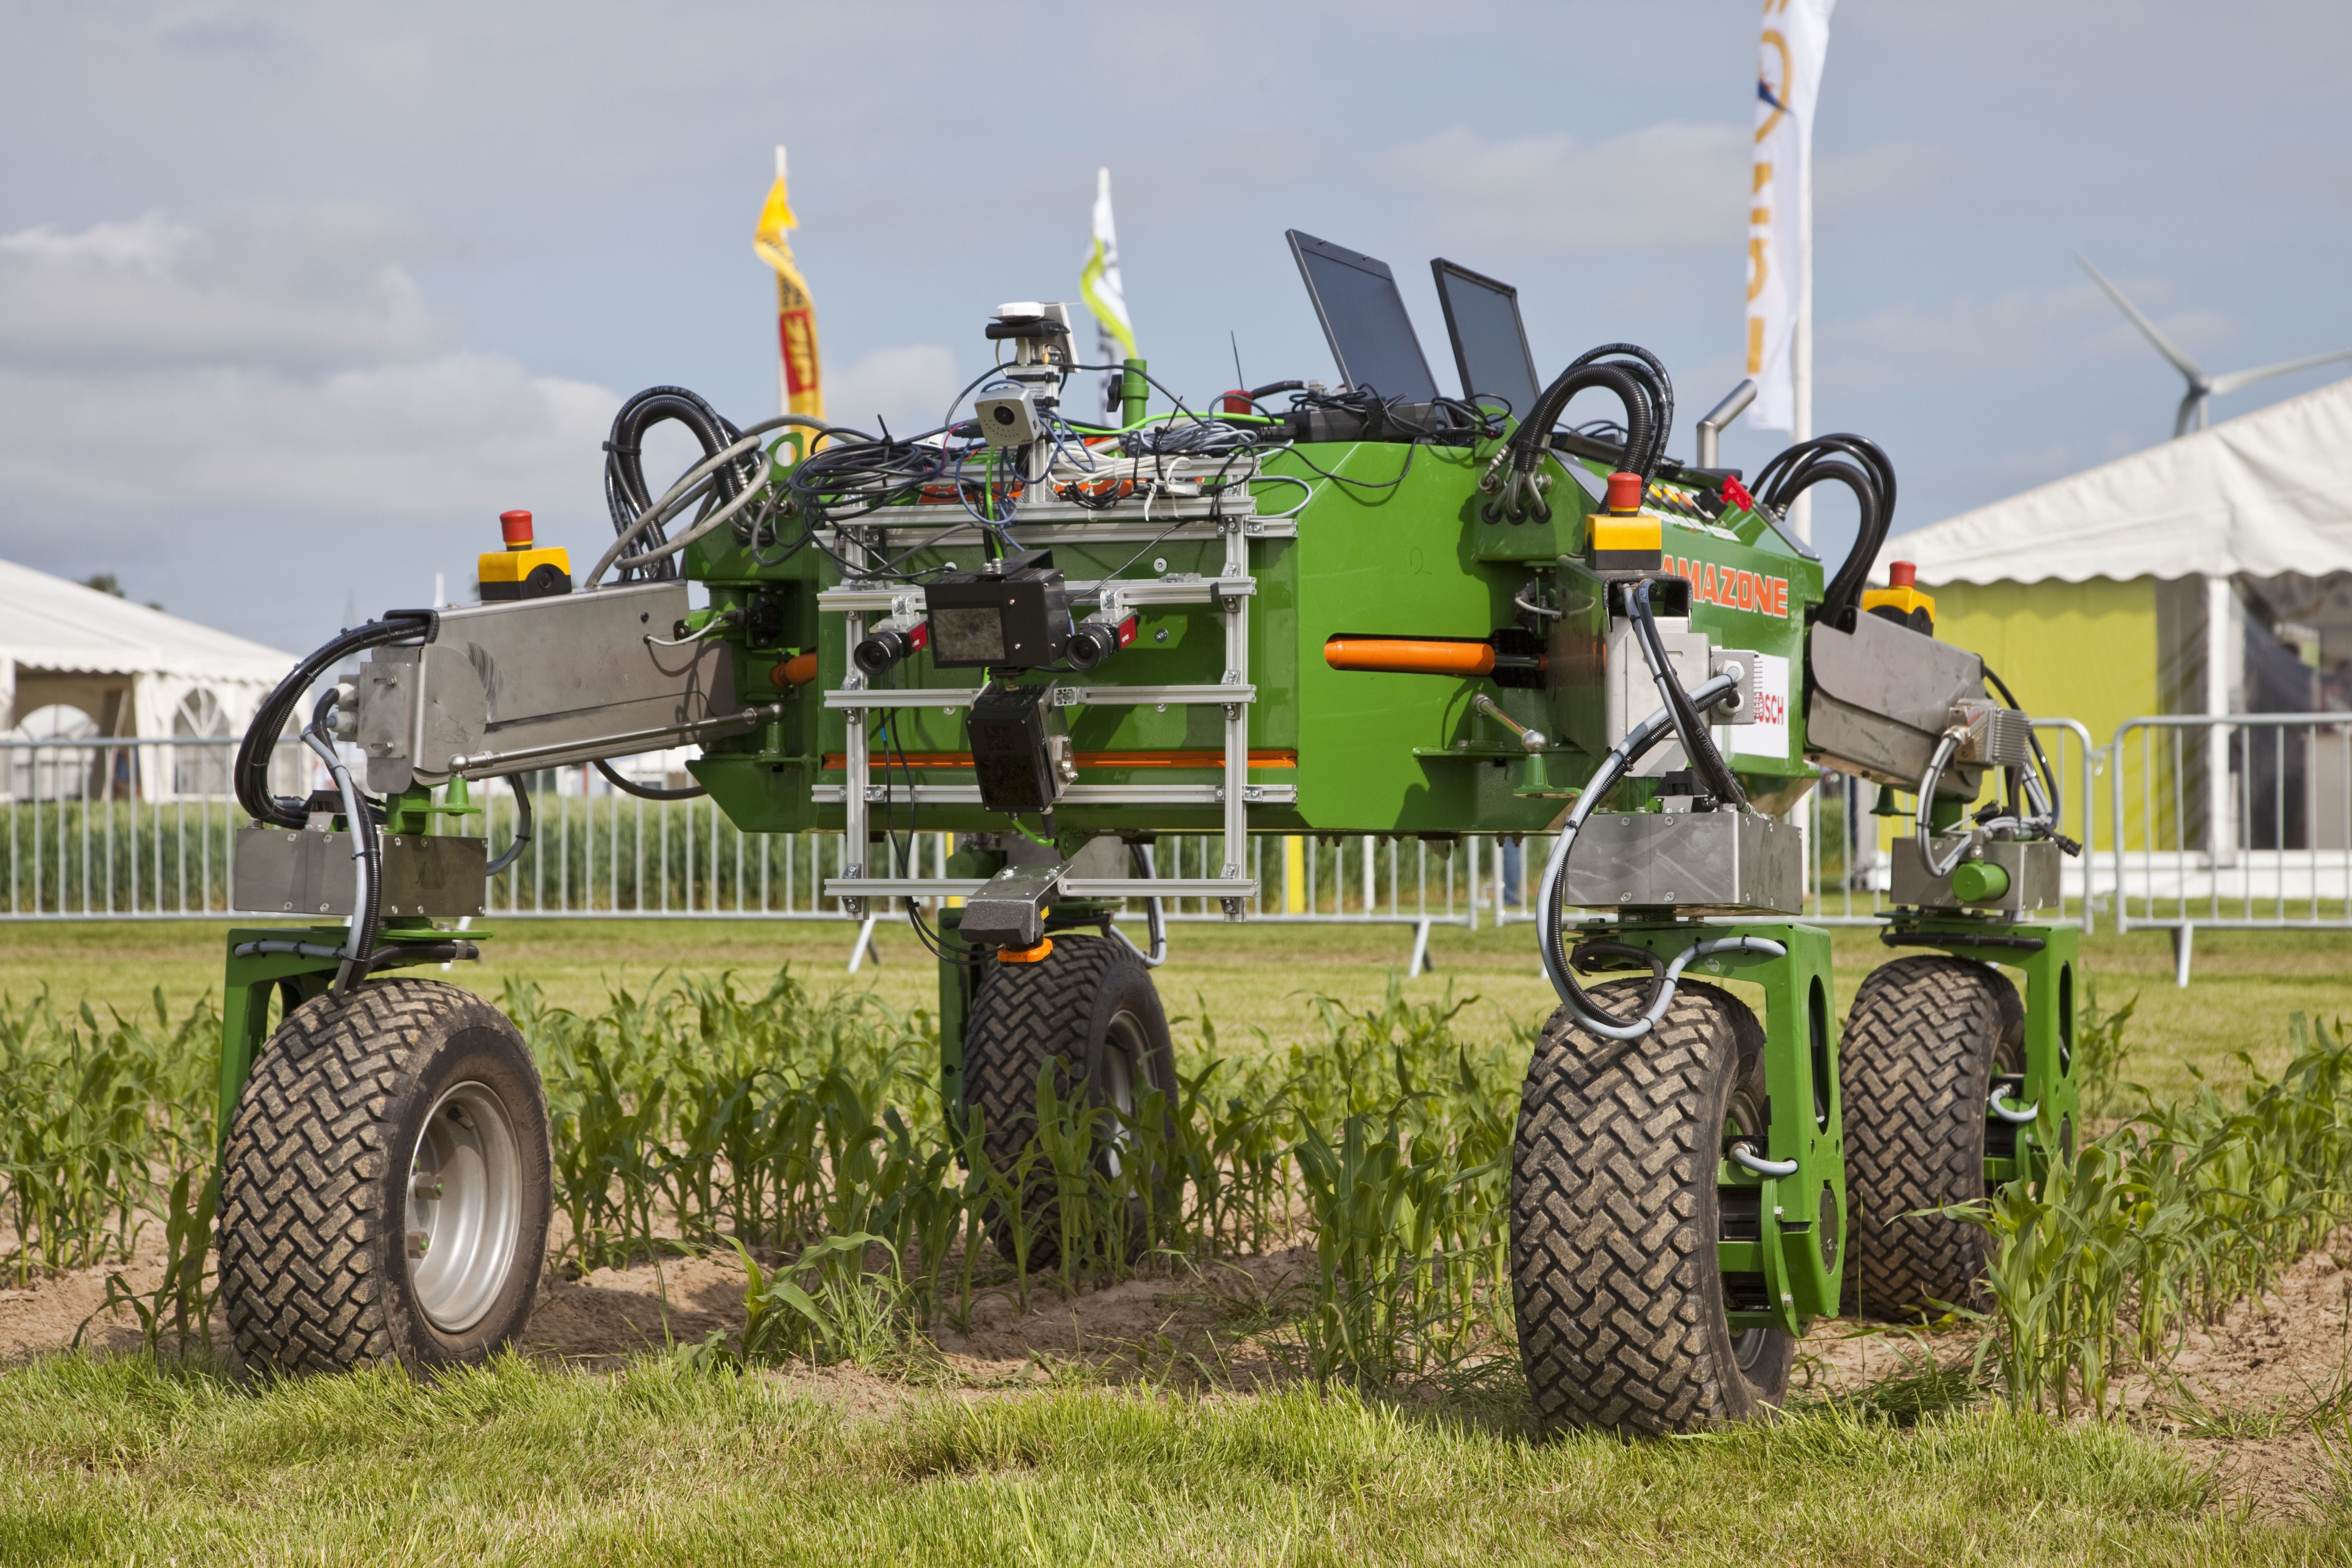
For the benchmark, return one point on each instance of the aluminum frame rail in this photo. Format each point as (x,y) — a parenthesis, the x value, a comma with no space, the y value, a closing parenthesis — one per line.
(1226,517)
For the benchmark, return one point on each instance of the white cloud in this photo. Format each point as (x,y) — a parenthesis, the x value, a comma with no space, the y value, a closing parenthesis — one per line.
(908,387)
(278,365)
(293,290)
(1669,185)
(460,433)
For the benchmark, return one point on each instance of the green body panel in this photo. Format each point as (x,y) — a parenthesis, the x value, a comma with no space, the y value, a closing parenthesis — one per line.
(1388,542)
(1799,1277)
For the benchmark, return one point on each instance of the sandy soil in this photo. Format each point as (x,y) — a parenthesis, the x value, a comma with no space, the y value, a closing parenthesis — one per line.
(2240,1399)
(2255,1398)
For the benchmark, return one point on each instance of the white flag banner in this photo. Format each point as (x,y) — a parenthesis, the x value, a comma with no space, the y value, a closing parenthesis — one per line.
(1780,264)
(1099,287)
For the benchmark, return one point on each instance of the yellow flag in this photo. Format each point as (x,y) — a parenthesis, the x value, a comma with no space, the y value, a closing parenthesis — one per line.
(803,383)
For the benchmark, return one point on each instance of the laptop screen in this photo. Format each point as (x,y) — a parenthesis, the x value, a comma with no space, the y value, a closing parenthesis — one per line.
(1364,319)
(1490,344)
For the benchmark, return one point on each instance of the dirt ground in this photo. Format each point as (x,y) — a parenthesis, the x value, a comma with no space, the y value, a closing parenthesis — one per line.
(2257,1399)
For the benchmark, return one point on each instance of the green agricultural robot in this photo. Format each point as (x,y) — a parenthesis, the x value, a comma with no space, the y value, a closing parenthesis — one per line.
(1366,608)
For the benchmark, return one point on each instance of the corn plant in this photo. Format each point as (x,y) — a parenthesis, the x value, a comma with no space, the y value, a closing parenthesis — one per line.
(2106,1263)
(95,1121)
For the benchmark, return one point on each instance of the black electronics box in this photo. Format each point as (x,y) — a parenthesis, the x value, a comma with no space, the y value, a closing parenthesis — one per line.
(1014,615)
(1017,739)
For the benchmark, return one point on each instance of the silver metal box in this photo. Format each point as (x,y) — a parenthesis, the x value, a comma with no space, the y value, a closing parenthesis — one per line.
(295,871)
(1702,862)
(2033,868)
(1881,697)
(537,683)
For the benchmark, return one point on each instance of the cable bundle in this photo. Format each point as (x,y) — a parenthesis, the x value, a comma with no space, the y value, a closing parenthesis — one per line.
(1862,467)
(1631,374)
(625,495)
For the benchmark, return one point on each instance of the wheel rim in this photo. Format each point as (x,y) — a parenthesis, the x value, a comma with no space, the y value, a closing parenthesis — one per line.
(464,1207)
(1124,1044)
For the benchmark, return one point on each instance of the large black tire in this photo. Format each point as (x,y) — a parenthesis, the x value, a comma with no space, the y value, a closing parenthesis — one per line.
(1088,1011)
(1615,1215)
(335,1192)
(1927,1036)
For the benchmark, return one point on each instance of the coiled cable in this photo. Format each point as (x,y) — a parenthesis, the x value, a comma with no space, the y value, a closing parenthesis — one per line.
(1862,467)
(513,852)
(625,495)
(1551,893)
(367,853)
(250,775)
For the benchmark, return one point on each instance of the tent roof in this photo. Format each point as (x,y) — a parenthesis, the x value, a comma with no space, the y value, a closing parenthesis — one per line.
(48,623)
(2267,493)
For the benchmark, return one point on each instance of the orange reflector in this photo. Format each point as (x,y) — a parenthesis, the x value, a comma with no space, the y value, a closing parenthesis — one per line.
(1411,656)
(1026,954)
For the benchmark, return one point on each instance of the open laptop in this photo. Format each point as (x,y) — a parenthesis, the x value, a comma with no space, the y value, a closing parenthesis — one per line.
(1364,319)
(1490,342)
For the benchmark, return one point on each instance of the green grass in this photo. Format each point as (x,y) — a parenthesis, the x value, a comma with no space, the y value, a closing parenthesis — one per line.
(122,1458)
(119,1460)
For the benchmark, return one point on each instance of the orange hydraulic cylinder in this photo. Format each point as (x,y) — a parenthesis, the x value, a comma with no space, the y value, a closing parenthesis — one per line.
(1411,656)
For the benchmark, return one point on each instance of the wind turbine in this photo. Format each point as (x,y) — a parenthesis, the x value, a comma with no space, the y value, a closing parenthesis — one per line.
(2203,388)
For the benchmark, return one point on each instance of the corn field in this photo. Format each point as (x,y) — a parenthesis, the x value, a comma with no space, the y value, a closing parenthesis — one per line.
(2165,1223)
(707,1116)
(805,1136)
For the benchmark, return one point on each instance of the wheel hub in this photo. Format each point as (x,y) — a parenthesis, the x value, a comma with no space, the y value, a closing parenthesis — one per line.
(464,1207)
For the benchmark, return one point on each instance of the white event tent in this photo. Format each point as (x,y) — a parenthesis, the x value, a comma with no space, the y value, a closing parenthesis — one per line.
(75,662)
(2211,574)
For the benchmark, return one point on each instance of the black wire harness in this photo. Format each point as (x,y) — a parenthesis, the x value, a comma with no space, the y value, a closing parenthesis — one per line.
(1860,465)
(1632,374)
(250,775)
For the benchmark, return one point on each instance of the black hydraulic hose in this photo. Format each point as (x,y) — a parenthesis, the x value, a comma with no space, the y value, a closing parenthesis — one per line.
(1698,745)
(1647,368)
(1863,466)
(2056,805)
(250,777)
(645,791)
(513,851)
(367,851)
(625,496)
(1528,445)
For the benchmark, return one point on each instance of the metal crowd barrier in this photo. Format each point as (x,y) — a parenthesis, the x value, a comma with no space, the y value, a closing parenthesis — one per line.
(110,828)
(106,829)
(2233,821)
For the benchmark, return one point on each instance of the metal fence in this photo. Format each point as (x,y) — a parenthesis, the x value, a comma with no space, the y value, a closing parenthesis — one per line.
(114,829)
(2236,821)
(105,828)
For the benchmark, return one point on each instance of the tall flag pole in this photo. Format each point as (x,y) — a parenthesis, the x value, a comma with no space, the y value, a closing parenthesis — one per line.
(800,381)
(1796,42)
(1099,287)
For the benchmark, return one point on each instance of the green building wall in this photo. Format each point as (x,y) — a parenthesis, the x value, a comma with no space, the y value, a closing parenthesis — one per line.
(2087,651)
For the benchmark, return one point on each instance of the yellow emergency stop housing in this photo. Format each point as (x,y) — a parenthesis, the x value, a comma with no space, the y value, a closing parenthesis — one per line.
(1626,542)
(528,574)
(1905,605)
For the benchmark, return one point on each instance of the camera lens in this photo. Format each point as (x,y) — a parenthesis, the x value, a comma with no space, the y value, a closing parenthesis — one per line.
(1000,413)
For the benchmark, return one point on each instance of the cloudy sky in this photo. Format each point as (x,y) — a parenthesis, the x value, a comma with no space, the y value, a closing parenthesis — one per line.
(294,300)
